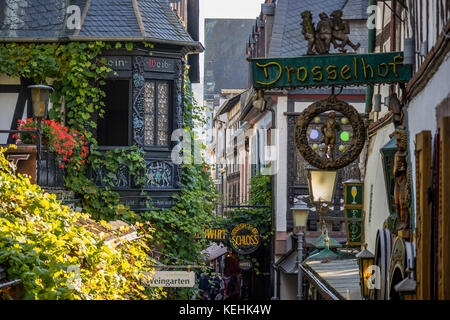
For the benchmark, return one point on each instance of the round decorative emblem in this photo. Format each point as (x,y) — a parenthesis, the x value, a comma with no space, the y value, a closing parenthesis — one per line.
(330,132)
(245,238)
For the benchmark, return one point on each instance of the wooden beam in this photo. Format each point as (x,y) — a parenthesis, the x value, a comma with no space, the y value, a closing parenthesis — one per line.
(423,207)
(9,88)
(444,206)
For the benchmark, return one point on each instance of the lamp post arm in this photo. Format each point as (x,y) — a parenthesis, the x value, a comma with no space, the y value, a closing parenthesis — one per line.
(299,262)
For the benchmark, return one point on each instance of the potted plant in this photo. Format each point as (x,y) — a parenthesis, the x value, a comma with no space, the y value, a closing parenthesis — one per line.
(69,146)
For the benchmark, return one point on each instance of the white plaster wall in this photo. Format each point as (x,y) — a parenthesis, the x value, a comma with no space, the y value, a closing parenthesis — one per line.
(377,210)
(288,286)
(7,106)
(281,174)
(422,110)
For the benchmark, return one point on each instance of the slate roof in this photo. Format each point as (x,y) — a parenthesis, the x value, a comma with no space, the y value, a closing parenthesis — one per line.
(108,20)
(287,38)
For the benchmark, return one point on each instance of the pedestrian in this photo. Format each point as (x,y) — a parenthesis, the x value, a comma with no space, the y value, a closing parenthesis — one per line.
(233,289)
(215,287)
(203,286)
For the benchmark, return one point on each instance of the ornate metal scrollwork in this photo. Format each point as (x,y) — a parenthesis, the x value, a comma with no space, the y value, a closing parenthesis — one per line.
(344,158)
(138,101)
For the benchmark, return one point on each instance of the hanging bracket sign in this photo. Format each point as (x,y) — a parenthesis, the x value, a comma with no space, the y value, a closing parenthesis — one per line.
(329,70)
(245,238)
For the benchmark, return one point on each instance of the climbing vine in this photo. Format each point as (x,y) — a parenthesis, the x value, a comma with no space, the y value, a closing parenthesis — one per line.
(78,74)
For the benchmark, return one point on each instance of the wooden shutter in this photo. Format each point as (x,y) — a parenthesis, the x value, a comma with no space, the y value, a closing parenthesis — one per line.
(444,209)
(423,232)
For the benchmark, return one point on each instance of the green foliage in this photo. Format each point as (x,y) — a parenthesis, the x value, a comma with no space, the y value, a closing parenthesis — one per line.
(261,215)
(113,160)
(78,74)
(40,244)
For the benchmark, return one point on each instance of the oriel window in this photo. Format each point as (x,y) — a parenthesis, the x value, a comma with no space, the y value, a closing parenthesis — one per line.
(112,129)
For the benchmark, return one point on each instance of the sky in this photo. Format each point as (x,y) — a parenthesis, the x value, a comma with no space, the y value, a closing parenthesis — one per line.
(239,9)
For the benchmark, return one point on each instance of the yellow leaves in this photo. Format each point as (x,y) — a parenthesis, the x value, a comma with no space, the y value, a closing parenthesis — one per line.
(40,240)
(45,204)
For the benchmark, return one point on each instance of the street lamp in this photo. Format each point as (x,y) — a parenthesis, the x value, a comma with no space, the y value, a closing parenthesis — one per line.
(321,186)
(300,213)
(40,97)
(365,260)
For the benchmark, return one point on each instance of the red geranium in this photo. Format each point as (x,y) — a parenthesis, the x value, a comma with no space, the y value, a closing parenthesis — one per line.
(68,146)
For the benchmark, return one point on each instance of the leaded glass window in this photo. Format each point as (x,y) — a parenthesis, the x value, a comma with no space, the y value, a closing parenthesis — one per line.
(156,113)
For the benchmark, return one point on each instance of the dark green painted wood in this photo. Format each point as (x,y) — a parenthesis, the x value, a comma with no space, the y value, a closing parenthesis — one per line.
(327,70)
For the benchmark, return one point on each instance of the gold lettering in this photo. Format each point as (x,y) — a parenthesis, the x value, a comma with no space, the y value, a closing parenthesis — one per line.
(266,74)
(330,72)
(344,70)
(355,63)
(298,74)
(365,69)
(289,70)
(395,63)
(318,73)
(383,75)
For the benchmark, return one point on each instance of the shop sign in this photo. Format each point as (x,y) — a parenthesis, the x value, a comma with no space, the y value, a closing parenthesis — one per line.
(159,64)
(217,234)
(354,216)
(172,279)
(354,228)
(245,264)
(326,70)
(245,238)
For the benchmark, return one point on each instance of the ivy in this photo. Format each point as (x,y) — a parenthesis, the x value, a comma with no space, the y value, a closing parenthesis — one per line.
(40,243)
(78,75)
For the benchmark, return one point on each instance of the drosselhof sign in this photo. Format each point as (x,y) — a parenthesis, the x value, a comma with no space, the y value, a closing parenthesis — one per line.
(326,70)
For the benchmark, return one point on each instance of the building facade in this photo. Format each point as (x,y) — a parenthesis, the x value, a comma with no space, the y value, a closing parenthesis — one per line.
(144,94)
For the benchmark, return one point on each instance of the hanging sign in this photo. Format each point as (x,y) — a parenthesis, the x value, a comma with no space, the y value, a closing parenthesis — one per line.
(245,265)
(172,279)
(326,70)
(244,238)
(353,209)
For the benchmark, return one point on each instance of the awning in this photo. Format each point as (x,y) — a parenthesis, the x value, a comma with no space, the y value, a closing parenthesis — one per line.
(288,264)
(335,279)
(214,251)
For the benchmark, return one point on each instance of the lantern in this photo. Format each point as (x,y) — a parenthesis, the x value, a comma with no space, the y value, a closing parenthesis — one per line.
(321,184)
(365,260)
(40,97)
(300,213)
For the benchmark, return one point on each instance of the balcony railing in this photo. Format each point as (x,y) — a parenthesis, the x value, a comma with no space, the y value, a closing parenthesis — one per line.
(48,173)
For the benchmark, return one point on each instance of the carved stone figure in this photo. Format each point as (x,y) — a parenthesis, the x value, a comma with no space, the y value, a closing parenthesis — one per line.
(330,130)
(396,108)
(258,101)
(401,187)
(324,33)
(327,32)
(340,31)
(308,31)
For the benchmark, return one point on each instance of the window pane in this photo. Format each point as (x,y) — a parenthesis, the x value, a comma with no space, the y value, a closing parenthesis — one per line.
(163,114)
(149,109)
(112,130)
